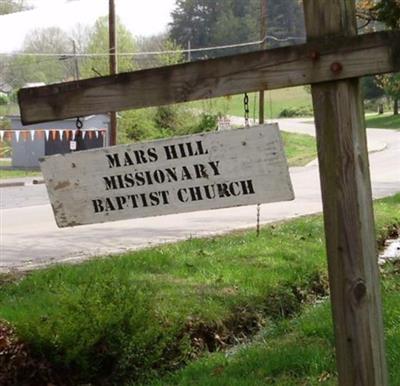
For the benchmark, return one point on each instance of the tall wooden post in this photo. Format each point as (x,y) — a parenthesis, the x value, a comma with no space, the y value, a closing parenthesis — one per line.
(263,33)
(113,66)
(347,203)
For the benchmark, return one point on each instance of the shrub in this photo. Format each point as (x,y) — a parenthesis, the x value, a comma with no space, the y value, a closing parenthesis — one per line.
(4,100)
(290,112)
(163,122)
(104,328)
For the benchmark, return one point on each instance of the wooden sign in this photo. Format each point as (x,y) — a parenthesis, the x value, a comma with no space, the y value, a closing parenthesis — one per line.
(183,174)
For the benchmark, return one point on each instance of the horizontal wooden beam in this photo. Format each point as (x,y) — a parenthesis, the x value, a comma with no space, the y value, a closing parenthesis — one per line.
(321,60)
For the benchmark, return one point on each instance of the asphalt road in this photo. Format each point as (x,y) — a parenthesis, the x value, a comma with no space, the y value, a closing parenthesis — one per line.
(29,236)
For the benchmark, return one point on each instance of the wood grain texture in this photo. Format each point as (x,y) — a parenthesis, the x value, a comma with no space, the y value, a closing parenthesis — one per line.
(184,174)
(348,215)
(261,70)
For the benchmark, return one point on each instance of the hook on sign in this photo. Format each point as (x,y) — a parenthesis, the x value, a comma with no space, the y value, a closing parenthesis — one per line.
(78,123)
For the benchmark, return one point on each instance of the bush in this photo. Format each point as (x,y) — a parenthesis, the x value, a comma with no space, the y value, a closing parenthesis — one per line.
(163,122)
(136,125)
(104,327)
(4,100)
(372,106)
(296,112)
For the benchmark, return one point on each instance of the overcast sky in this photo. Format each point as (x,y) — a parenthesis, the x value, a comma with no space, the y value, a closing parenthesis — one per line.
(141,17)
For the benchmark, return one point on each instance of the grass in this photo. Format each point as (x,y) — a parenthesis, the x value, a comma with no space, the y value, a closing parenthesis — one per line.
(275,102)
(136,316)
(300,149)
(384,121)
(10,109)
(293,352)
(15,173)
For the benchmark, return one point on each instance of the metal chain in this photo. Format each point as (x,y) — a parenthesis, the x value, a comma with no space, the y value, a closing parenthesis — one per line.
(79,123)
(246,110)
(258,220)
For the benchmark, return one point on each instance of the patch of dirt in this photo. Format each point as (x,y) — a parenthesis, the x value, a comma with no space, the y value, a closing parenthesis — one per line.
(218,336)
(18,367)
(392,232)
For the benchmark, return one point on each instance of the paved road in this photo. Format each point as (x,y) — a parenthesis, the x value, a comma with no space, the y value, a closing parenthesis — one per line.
(30,237)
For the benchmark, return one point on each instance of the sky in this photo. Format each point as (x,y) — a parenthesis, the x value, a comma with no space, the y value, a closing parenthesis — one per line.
(141,17)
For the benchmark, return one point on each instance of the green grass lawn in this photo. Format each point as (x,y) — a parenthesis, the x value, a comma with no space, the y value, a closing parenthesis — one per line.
(137,316)
(15,173)
(293,352)
(385,121)
(300,149)
(275,102)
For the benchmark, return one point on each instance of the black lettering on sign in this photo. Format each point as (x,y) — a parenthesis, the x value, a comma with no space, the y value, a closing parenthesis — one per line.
(160,176)
(183,150)
(133,201)
(113,160)
(138,157)
(199,172)
(210,192)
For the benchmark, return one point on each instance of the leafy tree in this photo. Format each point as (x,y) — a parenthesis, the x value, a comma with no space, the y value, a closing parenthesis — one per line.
(98,43)
(193,21)
(160,42)
(21,69)
(370,89)
(390,83)
(209,23)
(384,11)
(12,6)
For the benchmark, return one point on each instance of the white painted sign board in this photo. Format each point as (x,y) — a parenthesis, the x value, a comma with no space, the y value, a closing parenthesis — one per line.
(182,174)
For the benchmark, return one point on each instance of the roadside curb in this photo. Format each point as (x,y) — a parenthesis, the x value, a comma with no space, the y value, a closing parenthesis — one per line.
(373,149)
(11,184)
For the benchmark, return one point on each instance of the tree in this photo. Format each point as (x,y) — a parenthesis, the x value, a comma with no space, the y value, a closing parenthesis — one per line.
(98,44)
(160,42)
(370,89)
(12,6)
(193,21)
(21,69)
(386,12)
(390,83)
(208,23)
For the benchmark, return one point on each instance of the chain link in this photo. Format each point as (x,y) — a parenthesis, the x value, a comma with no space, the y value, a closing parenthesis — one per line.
(246,110)
(79,123)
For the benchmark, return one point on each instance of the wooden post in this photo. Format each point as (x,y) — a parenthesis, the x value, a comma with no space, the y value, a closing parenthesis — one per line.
(347,203)
(113,66)
(263,33)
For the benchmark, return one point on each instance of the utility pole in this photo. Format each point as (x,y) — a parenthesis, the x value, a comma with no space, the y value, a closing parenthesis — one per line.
(263,33)
(77,74)
(113,66)
(189,53)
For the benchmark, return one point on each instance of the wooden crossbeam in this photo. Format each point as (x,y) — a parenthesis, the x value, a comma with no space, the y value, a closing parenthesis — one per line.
(323,59)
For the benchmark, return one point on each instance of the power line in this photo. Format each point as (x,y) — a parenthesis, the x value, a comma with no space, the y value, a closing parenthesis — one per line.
(161,52)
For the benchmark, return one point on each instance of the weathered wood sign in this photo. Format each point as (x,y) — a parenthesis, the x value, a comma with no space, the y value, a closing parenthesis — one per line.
(183,174)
